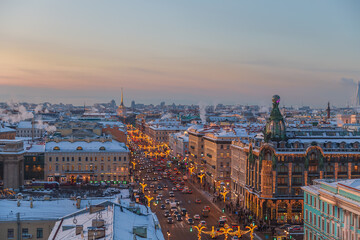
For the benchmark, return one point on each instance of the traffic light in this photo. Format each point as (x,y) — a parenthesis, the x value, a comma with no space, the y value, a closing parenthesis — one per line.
(191,229)
(157,201)
(223,210)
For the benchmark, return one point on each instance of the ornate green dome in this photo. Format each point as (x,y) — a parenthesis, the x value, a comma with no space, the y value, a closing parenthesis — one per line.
(275,127)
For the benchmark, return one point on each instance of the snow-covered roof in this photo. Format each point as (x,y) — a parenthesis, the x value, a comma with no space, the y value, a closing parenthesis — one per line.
(6,129)
(35,148)
(92,146)
(41,210)
(119,221)
(27,124)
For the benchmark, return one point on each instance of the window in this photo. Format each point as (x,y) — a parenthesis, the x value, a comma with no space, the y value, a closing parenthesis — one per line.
(86,159)
(10,233)
(50,168)
(102,148)
(79,159)
(25,231)
(119,158)
(68,159)
(57,167)
(108,159)
(63,159)
(125,159)
(57,159)
(72,159)
(39,233)
(50,159)
(79,148)
(56,148)
(102,167)
(79,167)
(114,159)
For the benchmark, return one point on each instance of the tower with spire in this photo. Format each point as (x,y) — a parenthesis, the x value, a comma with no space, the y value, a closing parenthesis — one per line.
(328,110)
(275,127)
(357,97)
(121,111)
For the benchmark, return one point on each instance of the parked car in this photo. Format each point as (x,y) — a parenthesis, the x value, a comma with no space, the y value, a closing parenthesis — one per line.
(197,217)
(295,228)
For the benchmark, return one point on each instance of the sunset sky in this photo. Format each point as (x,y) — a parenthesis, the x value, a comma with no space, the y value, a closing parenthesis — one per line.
(182,51)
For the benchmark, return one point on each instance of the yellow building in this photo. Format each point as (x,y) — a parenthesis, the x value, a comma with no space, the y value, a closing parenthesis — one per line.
(85,161)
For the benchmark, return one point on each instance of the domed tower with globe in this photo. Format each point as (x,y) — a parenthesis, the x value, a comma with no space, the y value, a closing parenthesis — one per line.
(275,127)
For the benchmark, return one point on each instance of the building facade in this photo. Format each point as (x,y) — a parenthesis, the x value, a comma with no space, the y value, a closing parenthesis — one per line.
(282,160)
(179,144)
(95,160)
(332,210)
(11,163)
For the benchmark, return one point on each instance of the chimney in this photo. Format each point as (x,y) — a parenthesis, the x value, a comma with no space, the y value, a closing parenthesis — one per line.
(32,128)
(79,229)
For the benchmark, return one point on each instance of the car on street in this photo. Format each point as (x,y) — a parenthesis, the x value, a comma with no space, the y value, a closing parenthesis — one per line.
(178,217)
(221,223)
(203,223)
(163,206)
(190,221)
(177,202)
(151,186)
(197,217)
(207,208)
(170,220)
(198,201)
(189,191)
(224,218)
(166,213)
(183,211)
(174,189)
(285,226)
(171,194)
(167,201)
(295,228)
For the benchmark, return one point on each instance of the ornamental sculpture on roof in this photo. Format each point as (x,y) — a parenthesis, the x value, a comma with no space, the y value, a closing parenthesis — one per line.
(275,127)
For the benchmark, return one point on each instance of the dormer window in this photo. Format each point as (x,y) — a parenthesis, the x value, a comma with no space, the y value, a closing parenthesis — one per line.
(56,148)
(79,148)
(102,148)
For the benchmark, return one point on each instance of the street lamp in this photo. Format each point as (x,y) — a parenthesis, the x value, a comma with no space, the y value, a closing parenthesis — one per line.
(201,177)
(143,185)
(251,230)
(199,229)
(224,194)
(168,234)
(149,198)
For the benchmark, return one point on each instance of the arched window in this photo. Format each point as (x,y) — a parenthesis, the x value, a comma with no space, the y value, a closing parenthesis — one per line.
(283,169)
(56,148)
(79,148)
(102,148)
(297,169)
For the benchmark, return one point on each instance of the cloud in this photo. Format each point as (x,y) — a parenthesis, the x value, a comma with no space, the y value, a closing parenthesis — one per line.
(348,81)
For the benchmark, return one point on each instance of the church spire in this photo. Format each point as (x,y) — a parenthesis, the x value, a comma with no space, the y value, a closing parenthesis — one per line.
(122,98)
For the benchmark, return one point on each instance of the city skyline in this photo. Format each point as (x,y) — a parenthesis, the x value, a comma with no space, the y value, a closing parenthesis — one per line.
(186,53)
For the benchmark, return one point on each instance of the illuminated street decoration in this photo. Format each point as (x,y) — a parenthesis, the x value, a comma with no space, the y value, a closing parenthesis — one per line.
(201,177)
